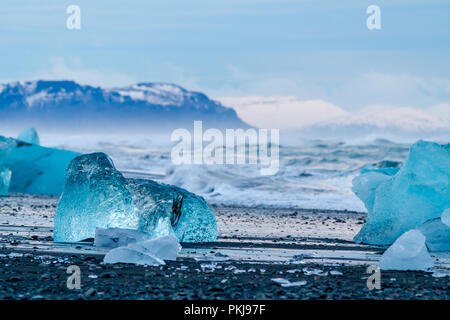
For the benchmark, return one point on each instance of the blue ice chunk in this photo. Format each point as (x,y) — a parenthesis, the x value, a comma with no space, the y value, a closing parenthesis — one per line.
(5,178)
(437,234)
(408,252)
(6,146)
(417,193)
(96,195)
(29,135)
(38,170)
(385,171)
(386,167)
(147,252)
(131,255)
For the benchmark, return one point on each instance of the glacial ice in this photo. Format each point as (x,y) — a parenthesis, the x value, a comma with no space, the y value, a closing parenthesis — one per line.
(30,168)
(418,192)
(286,283)
(96,195)
(165,248)
(386,167)
(117,237)
(6,146)
(29,135)
(408,252)
(148,252)
(5,178)
(437,235)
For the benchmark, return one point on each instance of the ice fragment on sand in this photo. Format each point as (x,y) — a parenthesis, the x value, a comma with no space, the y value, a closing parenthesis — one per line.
(129,255)
(315,272)
(6,146)
(29,135)
(364,186)
(417,193)
(165,248)
(335,273)
(445,218)
(117,237)
(148,252)
(36,169)
(408,252)
(96,195)
(5,178)
(286,283)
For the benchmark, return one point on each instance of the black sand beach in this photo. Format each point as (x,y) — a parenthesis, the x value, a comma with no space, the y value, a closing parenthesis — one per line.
(255,245)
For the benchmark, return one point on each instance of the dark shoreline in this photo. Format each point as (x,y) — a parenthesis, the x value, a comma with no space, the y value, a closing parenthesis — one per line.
(254,246)
(28,278)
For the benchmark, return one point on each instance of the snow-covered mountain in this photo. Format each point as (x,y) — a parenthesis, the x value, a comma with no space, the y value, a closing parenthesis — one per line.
(56,105)
(321,119)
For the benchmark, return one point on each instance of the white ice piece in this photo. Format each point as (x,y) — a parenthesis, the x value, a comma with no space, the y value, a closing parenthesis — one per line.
(286,283)
(117,237)
(445,218)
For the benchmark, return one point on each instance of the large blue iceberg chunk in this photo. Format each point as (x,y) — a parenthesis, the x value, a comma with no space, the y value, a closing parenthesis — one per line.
(437,232)
(38,170)
(96,195)
(148,252)
(29,135)
(418,192)
(5,178)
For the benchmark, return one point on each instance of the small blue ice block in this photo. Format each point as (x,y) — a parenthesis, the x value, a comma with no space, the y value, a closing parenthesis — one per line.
(418,192)
(6,145)
(365,184)
(96,195)
(29,135)
(408,252)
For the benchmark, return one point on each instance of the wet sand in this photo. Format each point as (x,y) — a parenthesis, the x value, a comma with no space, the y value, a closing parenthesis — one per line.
(255,245)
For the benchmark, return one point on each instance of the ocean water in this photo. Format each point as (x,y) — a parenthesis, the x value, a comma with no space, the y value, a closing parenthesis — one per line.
(312,175)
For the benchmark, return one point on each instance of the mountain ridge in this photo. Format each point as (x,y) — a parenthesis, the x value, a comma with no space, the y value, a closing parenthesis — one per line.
(66,104)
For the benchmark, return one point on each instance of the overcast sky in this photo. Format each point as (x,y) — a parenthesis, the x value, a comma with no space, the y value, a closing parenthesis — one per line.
(310,50)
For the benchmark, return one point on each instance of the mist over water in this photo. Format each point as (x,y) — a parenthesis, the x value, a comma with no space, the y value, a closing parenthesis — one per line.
(314,174)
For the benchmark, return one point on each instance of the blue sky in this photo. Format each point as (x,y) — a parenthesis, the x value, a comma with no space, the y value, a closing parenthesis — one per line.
(238,48)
